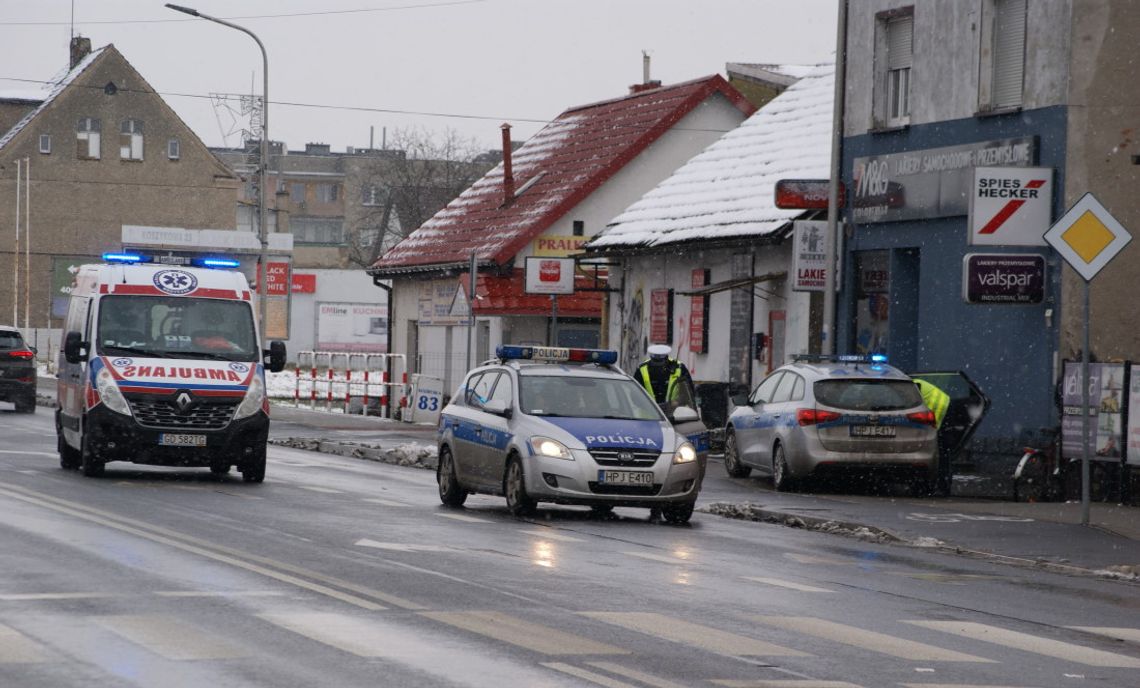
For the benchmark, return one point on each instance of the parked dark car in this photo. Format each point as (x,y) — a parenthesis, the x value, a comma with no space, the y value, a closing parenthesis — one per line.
(17,370)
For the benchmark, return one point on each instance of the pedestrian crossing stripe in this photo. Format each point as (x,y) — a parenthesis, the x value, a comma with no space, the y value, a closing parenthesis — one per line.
(867,640)
(694,635)
(1131,635)
(786,683)
(786,584)
(648,679)
(587,675)
(1032,643)
(515,631)
(170,638)
(16,648)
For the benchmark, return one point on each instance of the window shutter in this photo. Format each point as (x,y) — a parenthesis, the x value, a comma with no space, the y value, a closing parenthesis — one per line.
(1009,52)
(900,34)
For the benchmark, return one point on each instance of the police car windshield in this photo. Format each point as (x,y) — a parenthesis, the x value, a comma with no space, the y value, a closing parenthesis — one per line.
(585,397)
(176,327)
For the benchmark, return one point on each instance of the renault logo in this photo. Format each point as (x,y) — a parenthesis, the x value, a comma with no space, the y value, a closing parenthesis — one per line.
(183,400)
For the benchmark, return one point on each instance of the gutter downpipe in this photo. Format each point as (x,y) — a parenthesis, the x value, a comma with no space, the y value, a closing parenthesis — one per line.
(827,330)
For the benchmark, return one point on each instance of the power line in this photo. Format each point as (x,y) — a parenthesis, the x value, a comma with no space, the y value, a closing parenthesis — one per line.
(452,3)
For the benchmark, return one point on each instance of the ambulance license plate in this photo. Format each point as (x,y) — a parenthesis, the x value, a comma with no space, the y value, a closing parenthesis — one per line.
(625,477)
(872,430)
(170,439)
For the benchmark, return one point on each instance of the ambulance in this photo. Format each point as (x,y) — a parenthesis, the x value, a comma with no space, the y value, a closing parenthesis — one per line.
(161,364)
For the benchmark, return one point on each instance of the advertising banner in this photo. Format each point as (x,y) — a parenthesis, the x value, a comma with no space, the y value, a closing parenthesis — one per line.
(809,260)
(698,314)
(1106,405)
(1016,278)
(661,316)
(1132,452)
(355,327)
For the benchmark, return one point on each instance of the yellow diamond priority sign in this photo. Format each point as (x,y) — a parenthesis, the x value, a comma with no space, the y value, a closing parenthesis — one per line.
(1088,237)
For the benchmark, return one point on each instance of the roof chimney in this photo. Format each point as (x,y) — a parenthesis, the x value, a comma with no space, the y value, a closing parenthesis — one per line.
(646,83)
(508,178)
(80,48)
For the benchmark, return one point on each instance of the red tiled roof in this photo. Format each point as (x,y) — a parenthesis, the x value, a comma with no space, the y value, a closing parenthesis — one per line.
(556,169)
(506,295)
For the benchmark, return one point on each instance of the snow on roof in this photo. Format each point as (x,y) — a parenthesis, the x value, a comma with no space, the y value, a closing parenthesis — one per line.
(53,89)
(553,171)
(728,190)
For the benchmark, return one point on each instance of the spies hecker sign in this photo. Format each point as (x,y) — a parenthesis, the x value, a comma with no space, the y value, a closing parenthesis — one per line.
(1011,206)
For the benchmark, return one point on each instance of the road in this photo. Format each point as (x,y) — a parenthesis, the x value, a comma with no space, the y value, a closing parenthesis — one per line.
(340,572)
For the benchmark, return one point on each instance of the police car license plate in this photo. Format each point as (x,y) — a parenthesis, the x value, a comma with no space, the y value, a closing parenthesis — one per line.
(872,430)
(625,477)
(170,439)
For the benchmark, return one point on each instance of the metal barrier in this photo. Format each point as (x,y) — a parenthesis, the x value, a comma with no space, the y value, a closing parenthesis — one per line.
(335,378)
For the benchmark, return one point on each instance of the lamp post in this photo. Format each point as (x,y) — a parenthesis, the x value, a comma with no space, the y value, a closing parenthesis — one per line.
(263,165)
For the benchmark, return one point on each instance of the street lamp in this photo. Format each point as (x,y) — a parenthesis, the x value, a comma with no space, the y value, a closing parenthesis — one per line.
(262,217)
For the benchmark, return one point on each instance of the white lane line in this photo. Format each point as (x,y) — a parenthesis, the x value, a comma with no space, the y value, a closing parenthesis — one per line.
(1031,643)
(403,546)
(54,455)
(385,502)
(465,519)
(694,635)
(664,558)
(586,674)
(813,559)
(785,683)
(221,593)
(786,584)
(955,685)
(1131,635)
(17,648)
(170,638)
(647,679)
(324,490)
(42,596)
(516,631)
(548,534)
(867,640)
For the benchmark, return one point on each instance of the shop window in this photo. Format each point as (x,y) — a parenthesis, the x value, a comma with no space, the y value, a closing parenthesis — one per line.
(131,139)
(87,138)
(45,144)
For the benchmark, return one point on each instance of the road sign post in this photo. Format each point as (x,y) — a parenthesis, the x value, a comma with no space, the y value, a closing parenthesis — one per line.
(1087,237)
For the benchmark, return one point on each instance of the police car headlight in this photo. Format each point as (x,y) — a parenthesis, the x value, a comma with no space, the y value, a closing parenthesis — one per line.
(544,446)
(110,394)
(254,399)
(686,453)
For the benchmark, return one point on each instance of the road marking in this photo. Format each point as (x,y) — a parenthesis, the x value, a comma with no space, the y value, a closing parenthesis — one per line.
(786,584)
(54,455)
(586,674)
(958,685)
(1131,635)
(947,578)
(403,546)
(658,557)
(1031,643)
(868,640)
(524,634)
(324,490)
(647,679)
(813,559)
(786,683)
(385,502)
(39,596)
(16,648)
(220,593)
(465,519)
(170,639)
(694,635)
(346,633)
(548,534)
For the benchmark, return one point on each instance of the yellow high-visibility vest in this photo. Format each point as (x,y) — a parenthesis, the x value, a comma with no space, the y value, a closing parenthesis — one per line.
(670,386)
(935,399)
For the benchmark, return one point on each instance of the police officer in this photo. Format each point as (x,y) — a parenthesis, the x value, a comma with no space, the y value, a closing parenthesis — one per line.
(938,401)
(663,377)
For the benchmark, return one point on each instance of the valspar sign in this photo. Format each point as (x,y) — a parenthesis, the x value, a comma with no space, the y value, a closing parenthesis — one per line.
(1011,206)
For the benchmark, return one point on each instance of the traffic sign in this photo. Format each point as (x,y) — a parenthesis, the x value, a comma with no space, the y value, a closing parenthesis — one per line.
(1088,237)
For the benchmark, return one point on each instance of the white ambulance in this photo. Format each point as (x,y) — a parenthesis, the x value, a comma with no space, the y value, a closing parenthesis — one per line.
(161,365)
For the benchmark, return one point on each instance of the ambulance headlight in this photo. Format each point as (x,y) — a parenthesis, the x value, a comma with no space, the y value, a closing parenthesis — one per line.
(544,446)
(253,401)
(686,453)
(110,394)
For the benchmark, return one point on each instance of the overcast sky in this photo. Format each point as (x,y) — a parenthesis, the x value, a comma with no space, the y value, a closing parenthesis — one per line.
(339,67)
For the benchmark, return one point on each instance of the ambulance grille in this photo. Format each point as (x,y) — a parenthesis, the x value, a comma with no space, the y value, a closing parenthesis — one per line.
(614,457)
(164,414)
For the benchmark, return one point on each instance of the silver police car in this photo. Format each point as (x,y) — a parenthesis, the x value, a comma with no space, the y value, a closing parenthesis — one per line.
(843,412)
(550,424)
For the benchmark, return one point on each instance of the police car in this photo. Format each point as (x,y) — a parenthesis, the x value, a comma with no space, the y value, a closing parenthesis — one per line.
(549,424)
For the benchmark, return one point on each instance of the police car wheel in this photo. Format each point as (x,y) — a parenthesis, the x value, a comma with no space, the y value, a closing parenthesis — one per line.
(519,502)
(732,463)
(450,493)
(781,476)
(677,514)
(89,464)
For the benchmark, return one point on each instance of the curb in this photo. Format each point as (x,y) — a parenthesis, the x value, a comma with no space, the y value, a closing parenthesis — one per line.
(754,512)
(410,455)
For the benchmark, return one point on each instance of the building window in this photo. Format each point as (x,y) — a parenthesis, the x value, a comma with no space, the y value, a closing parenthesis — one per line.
(579,228)
(900,35)
(327,193)
(45,144)
(87,138)
(131,139)
(297,193)
(317,230)
(1008,53)
(373,195)
(173,149)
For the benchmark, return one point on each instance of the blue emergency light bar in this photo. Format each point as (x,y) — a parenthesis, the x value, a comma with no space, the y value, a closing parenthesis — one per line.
(217,262)
(841,358)
(556,354)
(133,258)
(123,258)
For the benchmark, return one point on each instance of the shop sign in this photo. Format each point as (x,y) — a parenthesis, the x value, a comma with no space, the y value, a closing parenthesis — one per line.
(698,314)
(809,260)
(661,316)
(361,327)
(934,182)
(549,275)
(436,299)
(1003,278)
(304,283)
(558,245)
(1011,206)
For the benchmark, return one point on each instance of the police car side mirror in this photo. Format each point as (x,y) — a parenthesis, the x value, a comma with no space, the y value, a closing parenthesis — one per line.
(498,408)
(276,357)
(73,348)
(684,414)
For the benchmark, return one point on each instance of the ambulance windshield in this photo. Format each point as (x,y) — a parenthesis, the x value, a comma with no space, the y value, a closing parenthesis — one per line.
(176,327)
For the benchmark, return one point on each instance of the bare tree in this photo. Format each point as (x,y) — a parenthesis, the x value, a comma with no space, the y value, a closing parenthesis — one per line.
(402,186)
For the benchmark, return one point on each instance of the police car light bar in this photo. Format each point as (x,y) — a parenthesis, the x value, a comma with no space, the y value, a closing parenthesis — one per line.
(556,354)
(841,358)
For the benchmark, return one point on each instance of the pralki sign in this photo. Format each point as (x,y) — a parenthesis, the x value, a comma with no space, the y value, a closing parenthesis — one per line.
(1003,278)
